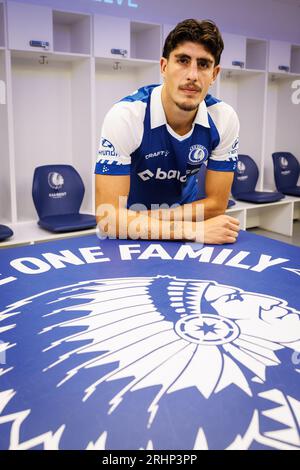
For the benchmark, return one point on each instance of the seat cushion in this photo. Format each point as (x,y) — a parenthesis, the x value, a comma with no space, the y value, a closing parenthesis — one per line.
(5,232)
(67,222)
(259,197)
(295,191)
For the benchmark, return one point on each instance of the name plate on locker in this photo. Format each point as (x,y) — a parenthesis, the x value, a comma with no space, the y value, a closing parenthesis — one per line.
(122,52)
(43,44)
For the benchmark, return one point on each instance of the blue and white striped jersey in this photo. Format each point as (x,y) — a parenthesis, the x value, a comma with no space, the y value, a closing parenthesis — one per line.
(136,140)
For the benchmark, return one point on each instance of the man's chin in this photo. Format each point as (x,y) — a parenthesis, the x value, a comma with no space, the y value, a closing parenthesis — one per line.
(185,106)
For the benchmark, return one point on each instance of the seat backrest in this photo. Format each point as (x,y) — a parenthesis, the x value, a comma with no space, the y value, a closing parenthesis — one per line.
(5,232)
(286,170)
(56,190)
(246,175)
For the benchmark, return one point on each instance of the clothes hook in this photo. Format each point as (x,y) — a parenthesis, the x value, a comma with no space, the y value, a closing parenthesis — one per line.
(43,60)
(117,66)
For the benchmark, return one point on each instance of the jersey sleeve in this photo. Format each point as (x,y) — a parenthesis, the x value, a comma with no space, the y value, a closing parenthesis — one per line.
(121,135)
(225,154)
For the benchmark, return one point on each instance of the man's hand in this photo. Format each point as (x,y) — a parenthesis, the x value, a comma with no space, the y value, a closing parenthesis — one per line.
(221,229)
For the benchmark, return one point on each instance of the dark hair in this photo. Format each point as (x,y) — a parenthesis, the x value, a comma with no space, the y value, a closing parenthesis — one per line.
(203,32)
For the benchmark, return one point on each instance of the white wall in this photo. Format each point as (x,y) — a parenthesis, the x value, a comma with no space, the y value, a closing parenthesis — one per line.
(270,19)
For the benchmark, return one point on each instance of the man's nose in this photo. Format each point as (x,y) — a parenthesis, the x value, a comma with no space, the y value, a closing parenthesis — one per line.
(193,72)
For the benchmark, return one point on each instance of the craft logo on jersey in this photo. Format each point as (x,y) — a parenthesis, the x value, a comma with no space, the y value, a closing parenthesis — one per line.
(55,180)
(160,153)
(198,154)
(108,360)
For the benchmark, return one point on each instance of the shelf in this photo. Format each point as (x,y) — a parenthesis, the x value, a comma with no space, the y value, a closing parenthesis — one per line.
(71,32)
(256,54)
(27,233)
(48,57)
(228,72)
(250,205)
(296,214)
(145,41)
(130,63)
(282,76)
(68,57)
(250,53)
(275,216)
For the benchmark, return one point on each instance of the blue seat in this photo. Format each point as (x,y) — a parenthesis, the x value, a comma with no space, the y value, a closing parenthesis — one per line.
(244,183)
(57,192)
(5,232)
(286,173)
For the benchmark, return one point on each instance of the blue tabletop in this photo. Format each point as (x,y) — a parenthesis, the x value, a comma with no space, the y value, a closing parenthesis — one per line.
(117,344)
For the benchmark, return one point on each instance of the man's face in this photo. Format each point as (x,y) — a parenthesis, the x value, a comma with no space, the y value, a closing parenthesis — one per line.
(188,73)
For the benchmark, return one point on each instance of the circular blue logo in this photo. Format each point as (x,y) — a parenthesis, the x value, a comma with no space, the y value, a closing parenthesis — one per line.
(198,154)
(55,180)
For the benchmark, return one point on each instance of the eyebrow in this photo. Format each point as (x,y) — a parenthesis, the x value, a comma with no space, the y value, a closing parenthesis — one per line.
(198,58)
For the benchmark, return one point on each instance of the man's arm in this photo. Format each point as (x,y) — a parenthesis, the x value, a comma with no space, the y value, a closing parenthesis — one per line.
(217,189)
(116,221)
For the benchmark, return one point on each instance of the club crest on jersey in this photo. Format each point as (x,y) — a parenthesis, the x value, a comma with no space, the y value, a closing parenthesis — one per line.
(198,154)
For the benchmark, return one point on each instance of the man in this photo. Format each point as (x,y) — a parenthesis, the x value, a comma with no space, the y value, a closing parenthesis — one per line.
(155,141)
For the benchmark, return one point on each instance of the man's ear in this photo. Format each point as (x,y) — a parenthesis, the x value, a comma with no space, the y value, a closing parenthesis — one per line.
(163,64)
(216,72)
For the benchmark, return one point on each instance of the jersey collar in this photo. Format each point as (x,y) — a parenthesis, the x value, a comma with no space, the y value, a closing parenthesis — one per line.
(158,117)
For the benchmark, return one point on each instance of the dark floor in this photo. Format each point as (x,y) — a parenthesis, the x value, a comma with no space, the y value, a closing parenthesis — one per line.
(294,240)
